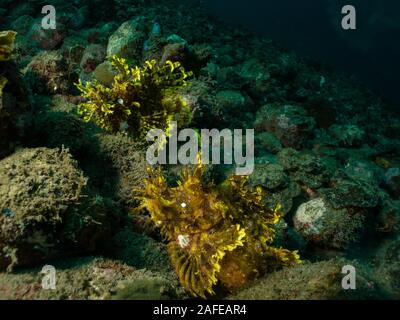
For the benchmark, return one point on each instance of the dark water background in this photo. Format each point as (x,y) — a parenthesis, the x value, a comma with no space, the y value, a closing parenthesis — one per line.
(313,28)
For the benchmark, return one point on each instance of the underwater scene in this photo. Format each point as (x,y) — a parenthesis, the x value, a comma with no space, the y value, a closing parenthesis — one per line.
(199,150)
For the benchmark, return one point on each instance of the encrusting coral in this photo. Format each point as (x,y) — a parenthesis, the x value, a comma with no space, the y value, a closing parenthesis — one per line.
(215,233)
(138,100)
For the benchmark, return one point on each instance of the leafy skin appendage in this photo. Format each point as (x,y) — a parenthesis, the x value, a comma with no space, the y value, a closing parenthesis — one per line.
(138,100)
(216,234)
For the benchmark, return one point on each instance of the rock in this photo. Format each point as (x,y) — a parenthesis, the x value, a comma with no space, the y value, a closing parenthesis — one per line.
(139,251)
(73,48)
(231,101)
(291,124)
(266,141)
(14,105)
(228,77)
(364,170)
(206,109)
(392,181)
(57,129)
(92,57)
(347,135)
(255,77)
(202,53)
(91,278)
(384,145)
(174,38)
(45,208)
(128,40)
(351,193)
(210,71)
(283,198)
(320,224)
(129,162)
(310,281)
(47,39)
(305,168)
(388,218)
(311,171)
(77,18)
(105,73)
(288,158)
(270,176)
(387,268)
(47,73)
(22,23)
(175,52)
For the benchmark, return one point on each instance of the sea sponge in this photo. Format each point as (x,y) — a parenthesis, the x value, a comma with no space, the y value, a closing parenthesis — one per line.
(211,228)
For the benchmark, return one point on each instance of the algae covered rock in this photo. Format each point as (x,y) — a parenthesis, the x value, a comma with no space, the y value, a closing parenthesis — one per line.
(45,208)
(54,129)
(48,73)
(231,101)
(255,76)
(47,39)
(93,55)
(311,281)
(325,226)
(291,124)
(139,251)
(175,52)
(351,193)
(90,278)
(267,142)
(270,176)
(392,181)
(128,161)
(387,268)
(128,40)
(305,168)
(347,135)
(105,73)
